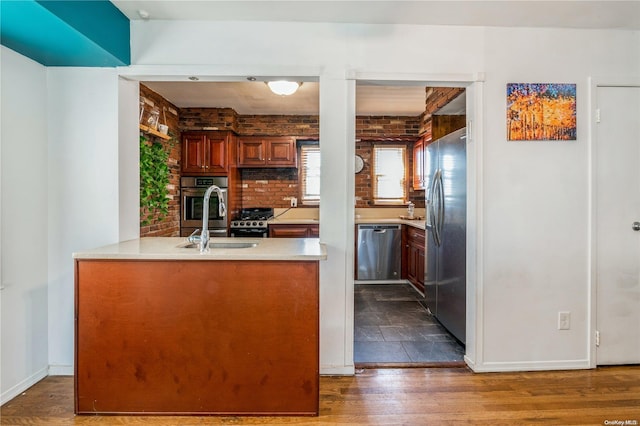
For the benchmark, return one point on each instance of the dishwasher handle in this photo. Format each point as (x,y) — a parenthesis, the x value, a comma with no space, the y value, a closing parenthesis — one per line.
(380,228)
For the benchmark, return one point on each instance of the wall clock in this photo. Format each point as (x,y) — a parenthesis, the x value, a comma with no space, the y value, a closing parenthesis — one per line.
(359,164)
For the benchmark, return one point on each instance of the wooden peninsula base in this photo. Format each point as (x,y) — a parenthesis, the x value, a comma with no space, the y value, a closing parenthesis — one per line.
(196,337)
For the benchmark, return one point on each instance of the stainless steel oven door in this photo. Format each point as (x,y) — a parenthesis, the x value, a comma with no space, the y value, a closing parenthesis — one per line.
(192,199)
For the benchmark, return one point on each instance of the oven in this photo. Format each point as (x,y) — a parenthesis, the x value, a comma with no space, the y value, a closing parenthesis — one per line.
(193,190)
(252,222)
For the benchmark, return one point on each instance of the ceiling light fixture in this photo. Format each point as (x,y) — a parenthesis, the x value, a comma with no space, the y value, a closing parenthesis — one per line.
(283,87)
(143,14)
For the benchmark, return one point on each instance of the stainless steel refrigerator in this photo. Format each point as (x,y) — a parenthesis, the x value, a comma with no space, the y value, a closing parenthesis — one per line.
(445,257)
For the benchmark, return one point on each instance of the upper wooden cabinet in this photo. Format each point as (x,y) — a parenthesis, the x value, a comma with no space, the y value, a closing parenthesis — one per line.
(206,152)
(437,127)
(267,151)
(418,165)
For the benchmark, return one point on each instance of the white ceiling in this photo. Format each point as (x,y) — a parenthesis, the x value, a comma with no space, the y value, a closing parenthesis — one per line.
(255,98)
(514,13)
(251,98)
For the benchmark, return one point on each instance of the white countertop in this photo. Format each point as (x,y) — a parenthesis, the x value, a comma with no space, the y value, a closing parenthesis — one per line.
(420,224)
(309,216)
(171,248)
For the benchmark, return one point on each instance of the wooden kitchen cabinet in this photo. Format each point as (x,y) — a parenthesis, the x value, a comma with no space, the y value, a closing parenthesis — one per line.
(294,231)
(415,252)
(418,165)
(437,127)
(206,152)
(196,337)
(267,151)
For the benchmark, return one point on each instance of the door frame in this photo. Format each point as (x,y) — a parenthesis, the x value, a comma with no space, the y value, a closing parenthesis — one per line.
(474,86)
(594,84)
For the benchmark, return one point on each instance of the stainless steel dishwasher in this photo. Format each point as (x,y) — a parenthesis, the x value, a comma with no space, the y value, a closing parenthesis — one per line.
(379,253)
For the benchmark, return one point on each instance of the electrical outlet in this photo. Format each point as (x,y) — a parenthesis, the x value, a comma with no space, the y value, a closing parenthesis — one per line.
(294,202)
(564,320)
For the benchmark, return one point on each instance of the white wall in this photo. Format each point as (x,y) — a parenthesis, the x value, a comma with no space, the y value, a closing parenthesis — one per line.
(536,200)
(83,186)
(23,215)
(532,233)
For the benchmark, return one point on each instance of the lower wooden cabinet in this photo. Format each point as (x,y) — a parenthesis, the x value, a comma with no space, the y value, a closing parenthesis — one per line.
(294,231)
(415,252)
(196,337)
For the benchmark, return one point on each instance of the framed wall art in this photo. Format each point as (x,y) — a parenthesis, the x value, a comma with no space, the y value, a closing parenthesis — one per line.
(541,112)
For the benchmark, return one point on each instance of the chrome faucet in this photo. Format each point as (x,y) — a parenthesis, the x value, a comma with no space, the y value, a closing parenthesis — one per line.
(203,238)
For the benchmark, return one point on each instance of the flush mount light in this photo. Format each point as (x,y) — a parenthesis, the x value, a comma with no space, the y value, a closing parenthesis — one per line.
(283,87)
(143,14)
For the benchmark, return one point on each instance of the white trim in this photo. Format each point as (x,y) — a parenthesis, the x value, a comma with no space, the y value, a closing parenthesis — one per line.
(436,80)
(61,370)
(475,221)
(495,367)
(217,72)
(16,390)
(337,370)
(594,83)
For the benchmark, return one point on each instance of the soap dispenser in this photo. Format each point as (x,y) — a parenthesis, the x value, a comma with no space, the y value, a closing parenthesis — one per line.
(410,209)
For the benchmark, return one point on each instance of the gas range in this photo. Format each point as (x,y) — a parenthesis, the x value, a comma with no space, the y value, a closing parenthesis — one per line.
(251,222)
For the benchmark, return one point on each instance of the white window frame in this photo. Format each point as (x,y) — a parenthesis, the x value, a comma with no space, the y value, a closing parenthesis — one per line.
(401,197)
(305,198)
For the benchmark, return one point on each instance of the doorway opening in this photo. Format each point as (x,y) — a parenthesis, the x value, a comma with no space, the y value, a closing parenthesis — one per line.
(396,322)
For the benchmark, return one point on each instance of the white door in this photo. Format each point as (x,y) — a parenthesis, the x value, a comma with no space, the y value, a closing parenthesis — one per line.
(617,156)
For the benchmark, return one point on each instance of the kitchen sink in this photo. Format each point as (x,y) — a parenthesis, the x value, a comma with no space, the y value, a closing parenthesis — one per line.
(227,245)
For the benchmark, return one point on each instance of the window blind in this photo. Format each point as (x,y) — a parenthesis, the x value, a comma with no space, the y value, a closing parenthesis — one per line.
(389,174)
(310,173)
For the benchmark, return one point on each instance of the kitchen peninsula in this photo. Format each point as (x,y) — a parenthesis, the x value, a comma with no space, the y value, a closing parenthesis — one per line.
(161,328)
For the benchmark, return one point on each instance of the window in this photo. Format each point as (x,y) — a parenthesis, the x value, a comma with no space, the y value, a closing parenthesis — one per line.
(389,174)
(310,174)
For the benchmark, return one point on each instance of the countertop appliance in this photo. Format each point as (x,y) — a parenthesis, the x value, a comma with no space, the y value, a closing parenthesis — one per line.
(193,190)
(379,252)
(252,222)
(445,258)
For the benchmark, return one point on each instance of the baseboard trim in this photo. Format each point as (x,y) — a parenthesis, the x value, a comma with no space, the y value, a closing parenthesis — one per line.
(496,367)
(61,370)
(334,370)
(16,390)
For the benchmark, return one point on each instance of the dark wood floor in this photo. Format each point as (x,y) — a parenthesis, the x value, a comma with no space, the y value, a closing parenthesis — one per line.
(412,396)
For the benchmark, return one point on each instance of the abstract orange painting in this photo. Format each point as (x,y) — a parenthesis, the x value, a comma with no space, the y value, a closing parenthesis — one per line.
(541,112)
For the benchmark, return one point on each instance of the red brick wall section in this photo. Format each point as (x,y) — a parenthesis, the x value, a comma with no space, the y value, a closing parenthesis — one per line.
(169,226)
(279,125)
(386,126)
(269,187)
(208,119)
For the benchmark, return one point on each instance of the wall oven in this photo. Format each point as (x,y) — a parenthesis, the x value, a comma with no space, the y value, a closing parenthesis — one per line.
(192,190)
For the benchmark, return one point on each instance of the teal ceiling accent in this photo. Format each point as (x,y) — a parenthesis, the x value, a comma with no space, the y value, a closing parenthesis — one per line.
(66,33)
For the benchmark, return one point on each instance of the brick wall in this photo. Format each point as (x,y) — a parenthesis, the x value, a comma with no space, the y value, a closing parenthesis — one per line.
(386,126)
(279,125)
(436,98)
(208,119)
(168,226)
(269,187)
(363,180)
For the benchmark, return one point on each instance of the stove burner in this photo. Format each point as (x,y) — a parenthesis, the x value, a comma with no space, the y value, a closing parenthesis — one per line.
(253,218)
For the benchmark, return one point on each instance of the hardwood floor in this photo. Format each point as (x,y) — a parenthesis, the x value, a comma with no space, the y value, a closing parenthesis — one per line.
(412,396)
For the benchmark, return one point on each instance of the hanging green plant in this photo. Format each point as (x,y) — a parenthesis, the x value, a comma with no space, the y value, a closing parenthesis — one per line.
(154,180)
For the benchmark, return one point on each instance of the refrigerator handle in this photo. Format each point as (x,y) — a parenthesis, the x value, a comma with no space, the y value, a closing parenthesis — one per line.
(441,207)
(435,207)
